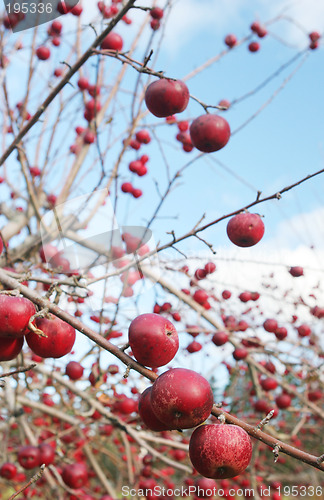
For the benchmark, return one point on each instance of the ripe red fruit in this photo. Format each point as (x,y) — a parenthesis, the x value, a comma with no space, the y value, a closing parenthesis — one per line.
(75,475)
(153,339)
(200,274)
(126,406)
(255,26)
(135,165)
(245,296)
(59,341)
(281,333)
(261,406)
(56,27)
(56,41)
(94,90)
(8,470)
(225,104)
(113,41)
(314,36)
(194,346)
(74,370)
(47,454)
(181,398)
(245,229)
(220,451)
(230,40)
(156,13)
(296,271)
(220,338)
(209,132)
(200,296)
(262,32)
(29,457)
(205,487)
(155,24)
(304,330)
(15,313)
(315,395)
(137,193)
(269,384)
(147,414)
(63,7)
(165,97)
(89,137)
(283,401)
(83,83)
(10,347)
(254,47)
(270,325)
(93,105)
(126,187)
(43,53)
(240,353)
(143,136)
(226,294)
(210,267)
(77,10)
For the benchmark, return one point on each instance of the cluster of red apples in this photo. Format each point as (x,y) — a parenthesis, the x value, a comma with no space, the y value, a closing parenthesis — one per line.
(48,337)
(183,399)
(261,31)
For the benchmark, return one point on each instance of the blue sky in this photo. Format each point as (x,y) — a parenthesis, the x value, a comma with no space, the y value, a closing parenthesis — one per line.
(280,146)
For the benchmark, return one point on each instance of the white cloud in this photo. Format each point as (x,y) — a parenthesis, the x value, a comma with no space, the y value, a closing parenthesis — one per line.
(304,230)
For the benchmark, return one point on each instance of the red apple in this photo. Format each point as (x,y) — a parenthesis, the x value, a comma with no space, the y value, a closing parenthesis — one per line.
(205,487)
(8,470)
(283,401)
(220,451)
(113,41)
(296,271)
(47,454)
(270,325)
(269,384)
(220,338)
(240,353)
(153,339)
(156,13)
(165,97)
(15,313)
(29,457)
(147,414)
(209,133)
(181,398)
(245,229)
(281,333)
(194,346)
(254,47)
(75,475)
(43,53)
(59,341)
(74,370)
(230,40)
(10,347)
(304,330)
